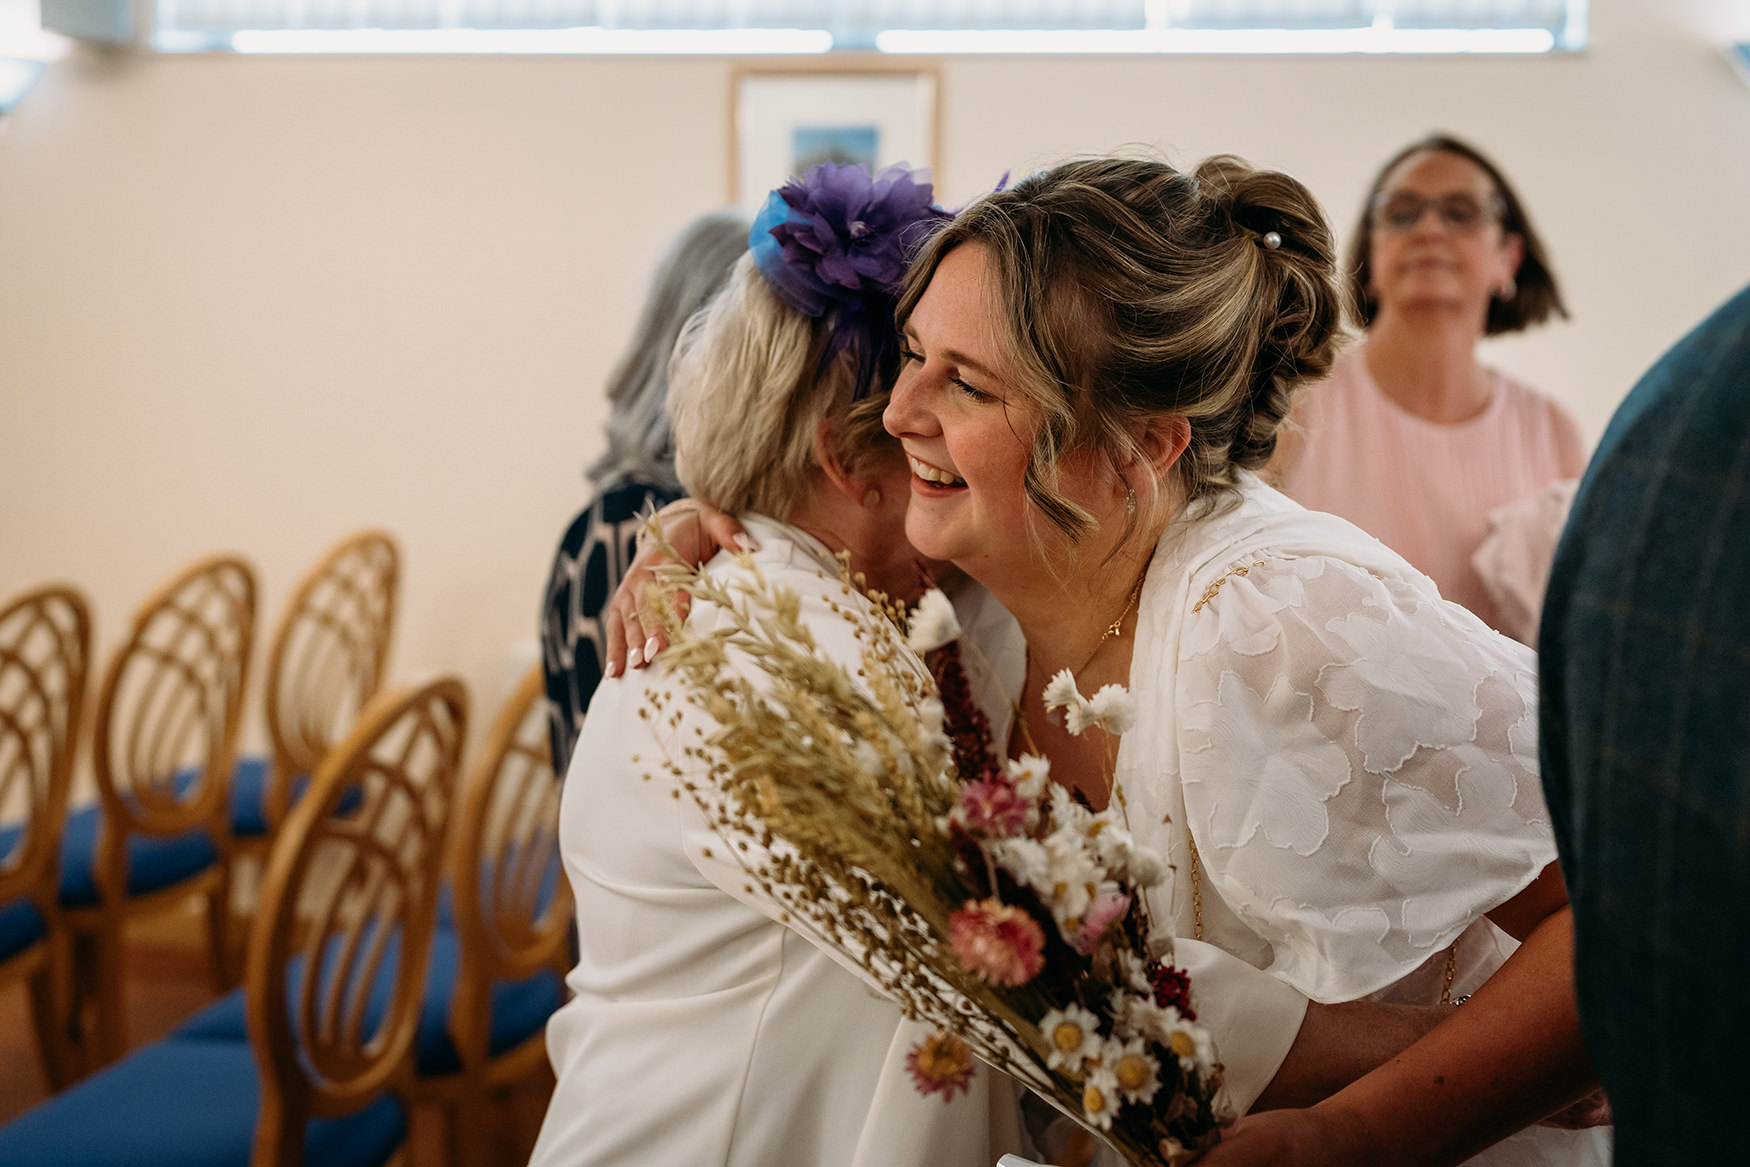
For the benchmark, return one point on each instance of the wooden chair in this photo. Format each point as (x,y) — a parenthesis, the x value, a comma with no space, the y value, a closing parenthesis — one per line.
(334,980)
(326,661)
(45,655)
(166,734)
(505,949)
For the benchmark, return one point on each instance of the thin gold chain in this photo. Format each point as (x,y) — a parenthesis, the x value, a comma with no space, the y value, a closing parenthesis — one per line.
(1117,626)
(1451,973)
(1196,892)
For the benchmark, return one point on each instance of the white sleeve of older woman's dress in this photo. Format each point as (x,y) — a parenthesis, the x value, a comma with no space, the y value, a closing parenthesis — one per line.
(1359,761)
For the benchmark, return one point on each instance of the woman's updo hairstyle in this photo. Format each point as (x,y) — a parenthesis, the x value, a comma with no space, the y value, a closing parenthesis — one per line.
(1126,290)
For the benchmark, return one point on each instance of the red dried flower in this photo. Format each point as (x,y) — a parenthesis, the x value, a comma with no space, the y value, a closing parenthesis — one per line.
(1172,986)
(940,1064)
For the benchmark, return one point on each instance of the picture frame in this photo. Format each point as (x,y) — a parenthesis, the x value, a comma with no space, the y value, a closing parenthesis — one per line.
(785,119)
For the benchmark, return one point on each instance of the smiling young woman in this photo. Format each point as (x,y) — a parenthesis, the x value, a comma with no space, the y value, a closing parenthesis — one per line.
(1097,360)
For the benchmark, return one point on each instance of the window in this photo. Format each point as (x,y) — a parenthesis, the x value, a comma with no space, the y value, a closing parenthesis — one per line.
(894,26)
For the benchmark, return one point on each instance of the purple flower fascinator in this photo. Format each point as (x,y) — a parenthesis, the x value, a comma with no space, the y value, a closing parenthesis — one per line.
(836,242)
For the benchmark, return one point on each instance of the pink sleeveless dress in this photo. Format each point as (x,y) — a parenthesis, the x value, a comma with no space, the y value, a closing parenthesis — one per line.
(1426,489)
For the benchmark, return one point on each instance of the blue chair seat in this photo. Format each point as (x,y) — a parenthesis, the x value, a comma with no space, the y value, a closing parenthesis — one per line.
(184,1104)
(21,925)
(249,796)
(153,862)
(519,1010)
(446,913)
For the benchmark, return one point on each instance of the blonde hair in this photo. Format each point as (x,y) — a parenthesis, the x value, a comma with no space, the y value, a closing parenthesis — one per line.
(747,394)
(1127,290)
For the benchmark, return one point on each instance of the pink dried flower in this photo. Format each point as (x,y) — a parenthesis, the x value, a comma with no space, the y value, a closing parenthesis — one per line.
(940,1064)
(1001,944)
(995,810)
(1107,909)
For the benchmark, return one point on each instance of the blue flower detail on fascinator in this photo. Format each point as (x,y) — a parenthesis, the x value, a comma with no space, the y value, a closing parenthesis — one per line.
(836,242)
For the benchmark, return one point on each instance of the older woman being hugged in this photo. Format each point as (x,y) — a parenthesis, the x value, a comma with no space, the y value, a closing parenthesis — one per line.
(1339,765)
(703,1031)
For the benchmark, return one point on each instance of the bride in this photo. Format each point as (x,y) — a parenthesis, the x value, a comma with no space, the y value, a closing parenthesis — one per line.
(1341,766)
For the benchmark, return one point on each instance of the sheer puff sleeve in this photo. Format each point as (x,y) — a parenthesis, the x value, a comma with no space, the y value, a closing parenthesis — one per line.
(1359,766)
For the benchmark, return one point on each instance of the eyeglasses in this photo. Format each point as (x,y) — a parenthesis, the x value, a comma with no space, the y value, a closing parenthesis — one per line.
(1460,212)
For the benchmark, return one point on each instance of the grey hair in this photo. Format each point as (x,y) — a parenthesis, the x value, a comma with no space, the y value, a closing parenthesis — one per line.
(747,396)
(692,271)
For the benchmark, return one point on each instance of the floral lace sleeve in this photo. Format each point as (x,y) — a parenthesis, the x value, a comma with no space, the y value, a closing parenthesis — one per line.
(1359,765)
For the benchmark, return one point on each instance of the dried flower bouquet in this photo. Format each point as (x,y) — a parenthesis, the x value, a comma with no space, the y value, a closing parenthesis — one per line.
(999,910)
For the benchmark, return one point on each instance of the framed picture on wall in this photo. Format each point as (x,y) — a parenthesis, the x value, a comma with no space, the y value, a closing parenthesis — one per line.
(784,120)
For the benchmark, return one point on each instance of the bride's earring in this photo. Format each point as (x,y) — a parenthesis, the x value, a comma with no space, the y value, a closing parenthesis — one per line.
(1130,502)
(872,499)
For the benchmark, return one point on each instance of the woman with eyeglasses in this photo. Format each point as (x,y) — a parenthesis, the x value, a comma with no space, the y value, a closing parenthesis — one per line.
(1412,438)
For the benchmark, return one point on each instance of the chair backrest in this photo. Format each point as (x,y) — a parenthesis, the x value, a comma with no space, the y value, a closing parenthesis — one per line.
(169,711)
(512,901)
(45,656)
(328,657)
(338,949)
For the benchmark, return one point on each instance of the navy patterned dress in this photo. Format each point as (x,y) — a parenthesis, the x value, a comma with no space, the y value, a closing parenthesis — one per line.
(591,560)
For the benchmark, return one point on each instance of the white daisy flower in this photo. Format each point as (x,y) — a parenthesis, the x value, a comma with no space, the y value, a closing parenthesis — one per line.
(1114,709)
(1023,858)
(1100,1096)
(933,623)
(1134,1069)
(1196,1052)
(1147,868)
(1062,690)
(1029,773)
(1078,715)
(1073,1037)
(1066,813)
(1072,878)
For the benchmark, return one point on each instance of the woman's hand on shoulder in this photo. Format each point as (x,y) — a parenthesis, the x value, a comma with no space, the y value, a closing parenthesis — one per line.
(632,624)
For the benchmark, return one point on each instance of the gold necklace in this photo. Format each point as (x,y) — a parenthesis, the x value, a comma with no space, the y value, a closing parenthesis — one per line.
(1117,625)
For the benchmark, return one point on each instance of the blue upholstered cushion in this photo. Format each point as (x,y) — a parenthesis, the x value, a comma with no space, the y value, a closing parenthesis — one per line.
(446,916)
(153,862)
(183,1104)
(248,789)
(519,1010)
(21,925)
(249,793)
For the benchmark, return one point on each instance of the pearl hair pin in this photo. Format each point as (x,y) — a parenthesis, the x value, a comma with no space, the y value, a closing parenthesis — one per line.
(1272,240)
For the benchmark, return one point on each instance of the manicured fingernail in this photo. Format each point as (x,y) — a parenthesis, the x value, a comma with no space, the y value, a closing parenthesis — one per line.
(745,542)
(634,658)
(651,648)
(613,668)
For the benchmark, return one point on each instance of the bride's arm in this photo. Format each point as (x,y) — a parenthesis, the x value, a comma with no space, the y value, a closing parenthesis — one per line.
(1510,1056)
(1338,1044)
(631,625)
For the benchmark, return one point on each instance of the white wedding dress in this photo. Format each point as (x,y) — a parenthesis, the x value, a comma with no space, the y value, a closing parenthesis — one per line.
(1355,759)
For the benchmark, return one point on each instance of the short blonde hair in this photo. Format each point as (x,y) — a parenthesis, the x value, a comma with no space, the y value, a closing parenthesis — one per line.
(747,394)
(1127,290)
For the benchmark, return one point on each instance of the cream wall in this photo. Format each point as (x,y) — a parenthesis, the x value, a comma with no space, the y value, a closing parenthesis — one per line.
(254,303)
